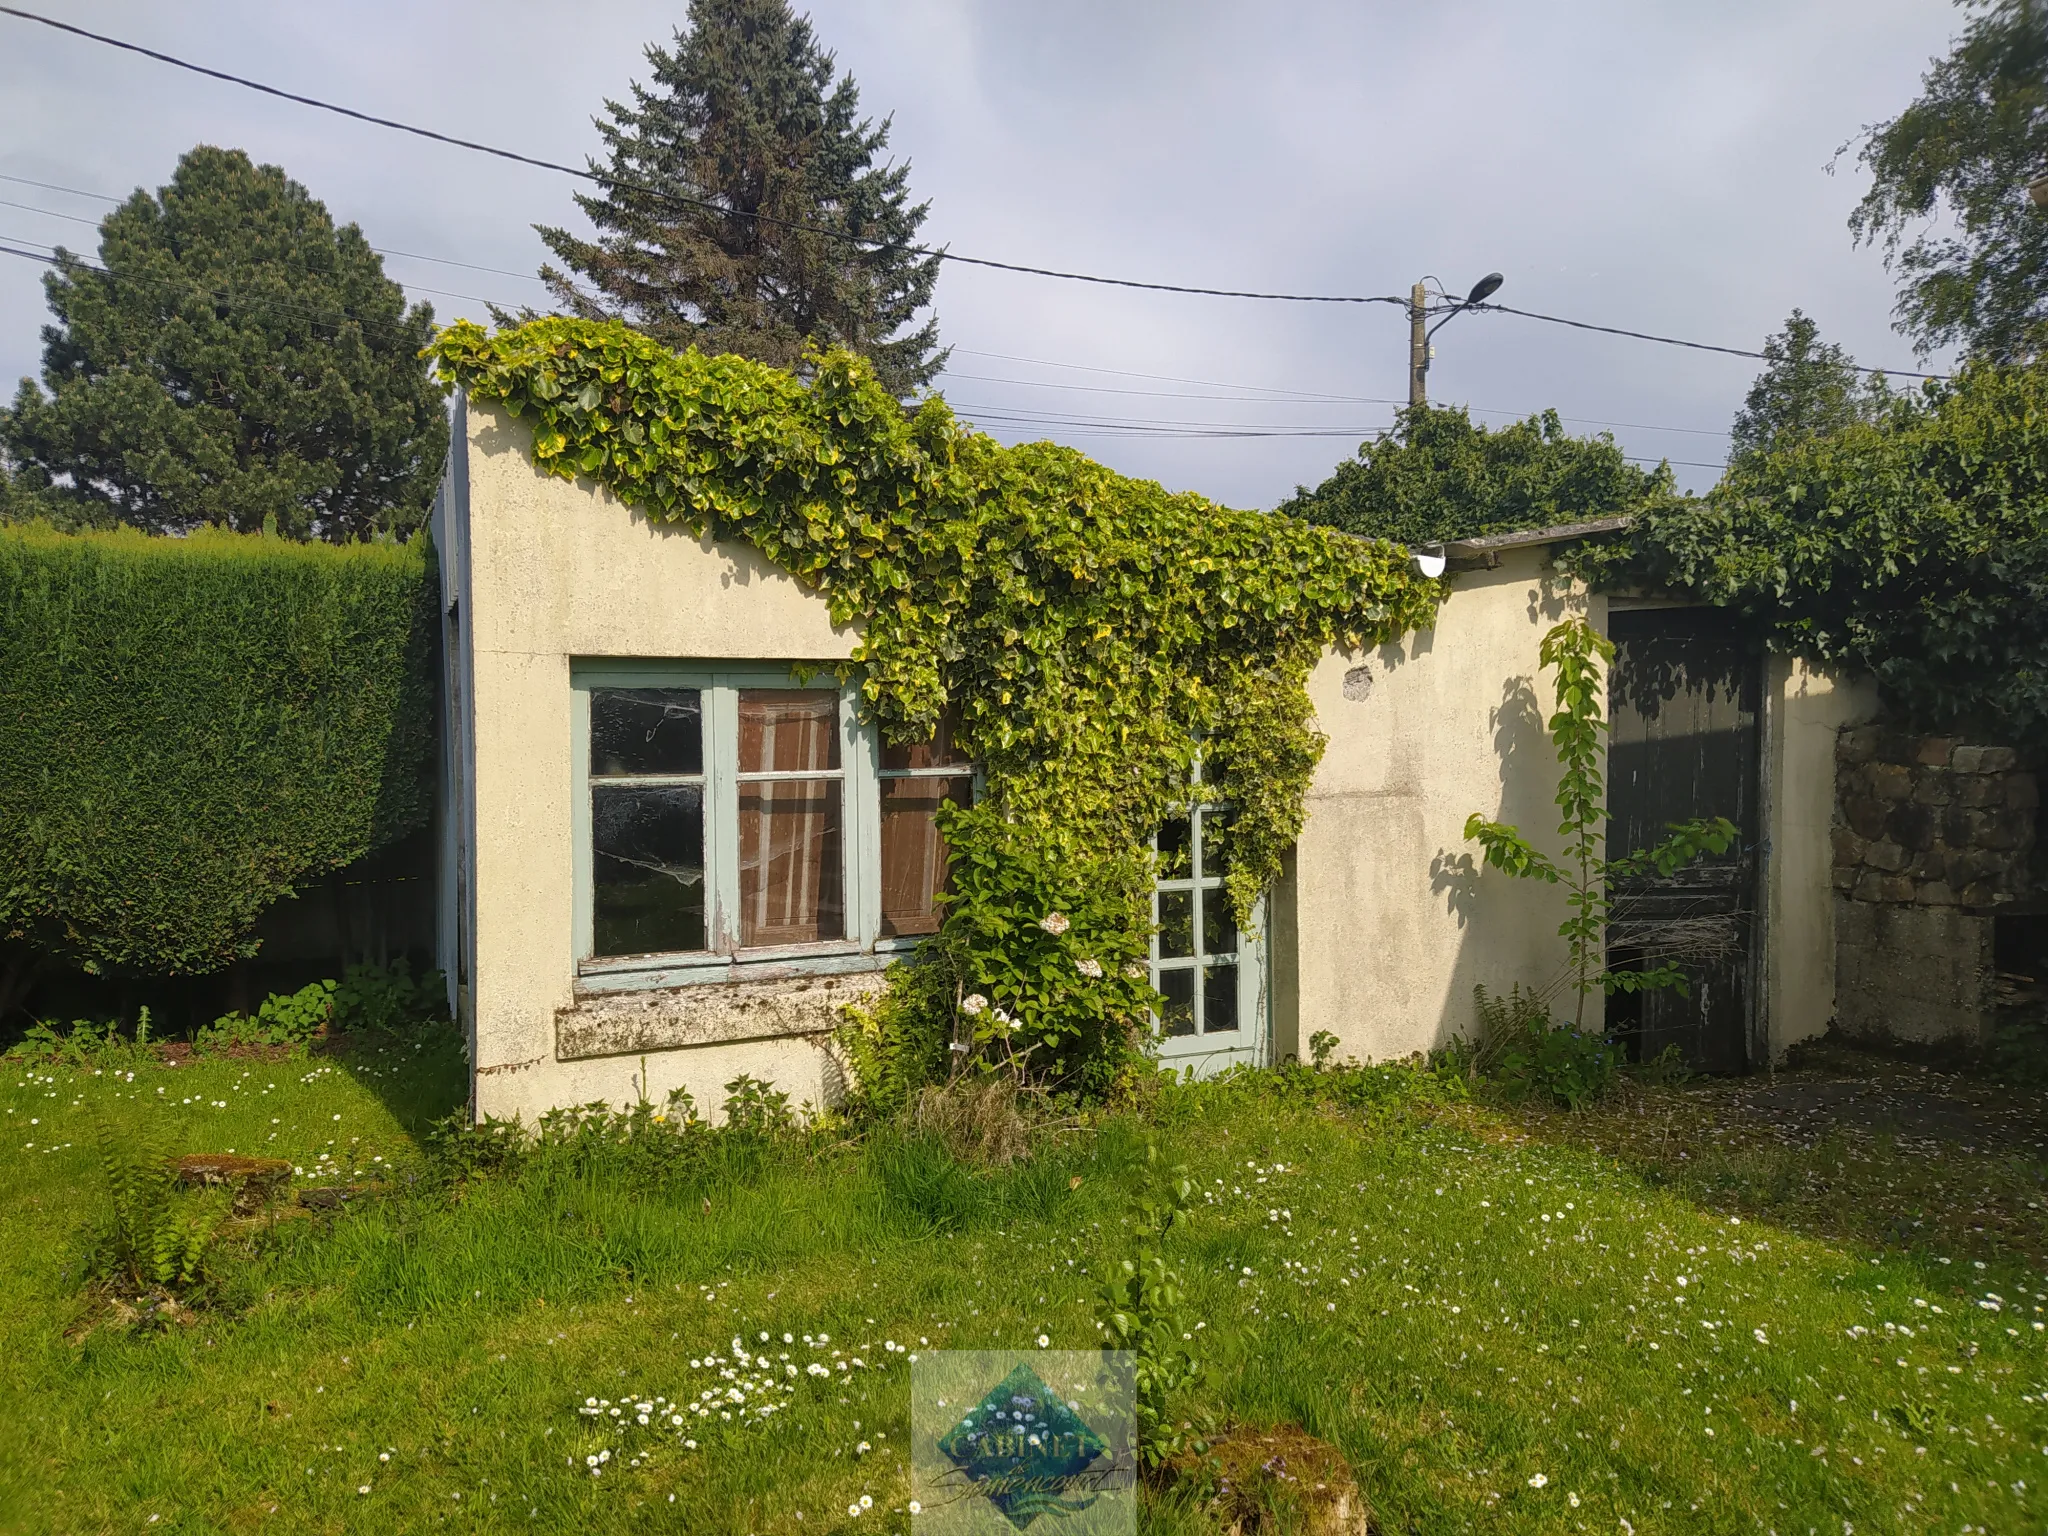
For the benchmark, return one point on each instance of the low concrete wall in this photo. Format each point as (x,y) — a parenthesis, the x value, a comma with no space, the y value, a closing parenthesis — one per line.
(1912,973)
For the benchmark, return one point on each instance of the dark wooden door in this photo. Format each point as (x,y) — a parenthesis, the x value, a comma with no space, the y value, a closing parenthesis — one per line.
(1683,698)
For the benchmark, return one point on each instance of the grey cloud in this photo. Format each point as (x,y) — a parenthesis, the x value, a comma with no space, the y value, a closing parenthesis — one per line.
(1656,166)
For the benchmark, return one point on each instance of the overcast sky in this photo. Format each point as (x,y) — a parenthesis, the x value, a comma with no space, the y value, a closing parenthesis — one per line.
(1644,163)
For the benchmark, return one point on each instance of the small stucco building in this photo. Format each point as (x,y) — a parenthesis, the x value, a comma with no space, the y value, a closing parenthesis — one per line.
(670,854)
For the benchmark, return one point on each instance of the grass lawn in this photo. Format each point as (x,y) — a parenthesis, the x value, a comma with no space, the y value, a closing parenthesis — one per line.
(1628,1320)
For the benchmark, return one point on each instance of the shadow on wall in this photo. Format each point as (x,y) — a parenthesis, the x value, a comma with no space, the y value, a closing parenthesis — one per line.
(1517,727)
(1501,921)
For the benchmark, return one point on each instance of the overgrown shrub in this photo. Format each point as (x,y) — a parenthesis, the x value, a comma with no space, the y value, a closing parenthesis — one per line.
(189,727)
(388,998)
(280,1019)
(1912,546)
(1526,1051)
(646,1146)
(901,1042)
(84,1043)
(1440,476)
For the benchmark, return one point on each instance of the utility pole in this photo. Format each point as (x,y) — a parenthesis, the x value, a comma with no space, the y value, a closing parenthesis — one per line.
(1419,333)
(1418,346)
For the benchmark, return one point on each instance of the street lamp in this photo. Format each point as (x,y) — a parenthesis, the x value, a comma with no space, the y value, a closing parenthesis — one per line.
(1418,336)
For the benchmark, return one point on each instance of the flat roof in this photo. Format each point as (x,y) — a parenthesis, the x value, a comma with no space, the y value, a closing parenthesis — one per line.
(1487,542)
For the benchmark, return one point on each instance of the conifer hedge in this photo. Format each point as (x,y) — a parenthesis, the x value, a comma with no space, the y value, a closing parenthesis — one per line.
(190,726)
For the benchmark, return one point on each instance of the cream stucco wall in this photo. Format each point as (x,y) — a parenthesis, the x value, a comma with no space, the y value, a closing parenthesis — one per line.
(1381,927)
(560,570)
(1804,709)
(1393,920)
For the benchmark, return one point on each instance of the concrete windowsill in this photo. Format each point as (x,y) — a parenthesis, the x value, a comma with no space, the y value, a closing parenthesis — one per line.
(679,1018)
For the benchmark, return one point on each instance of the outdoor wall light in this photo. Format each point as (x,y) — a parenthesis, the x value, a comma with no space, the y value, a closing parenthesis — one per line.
(1428,559)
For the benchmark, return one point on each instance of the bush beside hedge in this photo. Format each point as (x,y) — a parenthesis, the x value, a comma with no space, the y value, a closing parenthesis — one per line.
(188,726)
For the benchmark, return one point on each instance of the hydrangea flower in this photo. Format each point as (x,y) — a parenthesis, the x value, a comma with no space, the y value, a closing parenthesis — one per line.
(1092,969)
(1054,923)
(973,1003)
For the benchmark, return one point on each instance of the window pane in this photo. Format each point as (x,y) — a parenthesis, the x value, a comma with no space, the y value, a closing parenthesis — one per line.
(646,730)
(1176,846)
(647,868)
(1176,924)
(1178,988)
(792,878)
(1219,930)
(913,853)
(939,752)
(1216,831)
(1219,999)
(789,730)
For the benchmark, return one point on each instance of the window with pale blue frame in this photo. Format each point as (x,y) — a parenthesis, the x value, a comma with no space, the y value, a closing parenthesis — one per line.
(1195,951)
(728,815)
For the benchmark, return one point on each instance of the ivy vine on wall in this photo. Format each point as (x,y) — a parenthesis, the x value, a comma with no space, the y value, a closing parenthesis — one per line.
(1086,630)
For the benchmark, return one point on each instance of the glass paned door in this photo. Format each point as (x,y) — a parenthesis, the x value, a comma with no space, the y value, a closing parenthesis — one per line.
(1211,974)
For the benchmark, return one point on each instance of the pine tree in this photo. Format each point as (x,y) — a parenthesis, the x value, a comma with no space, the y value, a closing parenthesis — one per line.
(1808,388)
(238,360)
(744,209)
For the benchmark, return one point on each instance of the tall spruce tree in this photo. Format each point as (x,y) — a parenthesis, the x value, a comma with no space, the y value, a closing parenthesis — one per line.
(744,210)
(232,358)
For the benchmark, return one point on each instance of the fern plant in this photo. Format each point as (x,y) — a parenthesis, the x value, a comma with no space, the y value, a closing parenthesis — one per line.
(149,1236)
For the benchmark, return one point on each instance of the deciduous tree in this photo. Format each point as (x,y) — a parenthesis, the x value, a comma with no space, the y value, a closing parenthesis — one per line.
(1948,196)
(1439,476)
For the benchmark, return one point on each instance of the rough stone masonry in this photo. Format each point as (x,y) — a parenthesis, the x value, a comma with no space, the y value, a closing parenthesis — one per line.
(1932,835)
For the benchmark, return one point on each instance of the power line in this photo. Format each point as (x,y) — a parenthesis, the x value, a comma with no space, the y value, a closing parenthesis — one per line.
(444,261)
(51,186)
(1014,421)
(439,293)
(1017,419)
(602,179)
(223,296)
(1302,396)
(993,423)
(1673,341)
(940,253)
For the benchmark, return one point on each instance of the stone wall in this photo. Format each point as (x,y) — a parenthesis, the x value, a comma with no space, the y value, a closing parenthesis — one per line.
(1932,835)
(1931,821)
